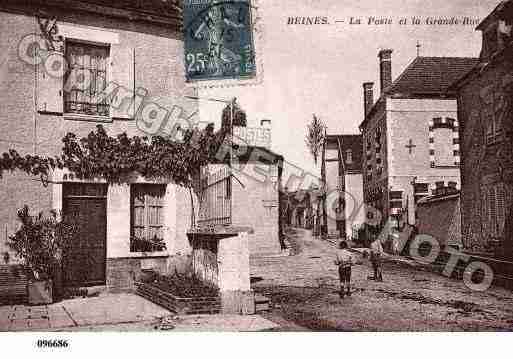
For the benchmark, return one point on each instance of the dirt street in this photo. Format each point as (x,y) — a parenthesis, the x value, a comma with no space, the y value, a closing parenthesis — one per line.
(303,288)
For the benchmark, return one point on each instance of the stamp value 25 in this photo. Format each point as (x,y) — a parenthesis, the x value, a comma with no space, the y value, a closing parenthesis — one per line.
(218,40)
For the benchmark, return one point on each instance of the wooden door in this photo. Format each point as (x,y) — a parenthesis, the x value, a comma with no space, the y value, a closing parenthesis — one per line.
(85,260)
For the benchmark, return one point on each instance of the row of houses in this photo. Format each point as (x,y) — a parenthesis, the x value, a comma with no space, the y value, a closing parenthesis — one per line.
(138,45)
(442,127)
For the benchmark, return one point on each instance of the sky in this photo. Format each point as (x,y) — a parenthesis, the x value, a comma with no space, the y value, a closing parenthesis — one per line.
(320,69)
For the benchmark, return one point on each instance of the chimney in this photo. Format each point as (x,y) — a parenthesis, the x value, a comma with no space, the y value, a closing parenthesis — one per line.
(265,133)
(368,97)
(385,68)
(265,123)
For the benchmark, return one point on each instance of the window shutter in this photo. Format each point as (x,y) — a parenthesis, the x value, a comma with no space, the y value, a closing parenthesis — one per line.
(493,211)
(50,82)
(122,74)
(501,211)
(484,209)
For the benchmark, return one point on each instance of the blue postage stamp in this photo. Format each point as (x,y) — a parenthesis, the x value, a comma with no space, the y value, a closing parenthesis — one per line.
(218,40)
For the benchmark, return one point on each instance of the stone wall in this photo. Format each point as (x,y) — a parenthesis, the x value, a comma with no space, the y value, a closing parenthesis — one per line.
(485,165)
(409,119)
(255,204)
(24,128)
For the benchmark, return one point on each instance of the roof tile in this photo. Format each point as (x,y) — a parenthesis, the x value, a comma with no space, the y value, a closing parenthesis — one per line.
(431,75)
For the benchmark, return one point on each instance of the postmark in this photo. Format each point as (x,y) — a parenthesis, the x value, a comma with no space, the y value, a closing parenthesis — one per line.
(219,39)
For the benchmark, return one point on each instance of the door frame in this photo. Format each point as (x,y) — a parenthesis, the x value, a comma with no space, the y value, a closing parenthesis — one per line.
(65,197)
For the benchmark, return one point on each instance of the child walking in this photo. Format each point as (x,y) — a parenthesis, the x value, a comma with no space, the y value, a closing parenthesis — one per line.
(344,261)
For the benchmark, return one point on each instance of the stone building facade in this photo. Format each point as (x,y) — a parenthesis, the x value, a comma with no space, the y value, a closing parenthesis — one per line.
(342,162)
(247,194)
(410,135)
(133,44)
(485,107)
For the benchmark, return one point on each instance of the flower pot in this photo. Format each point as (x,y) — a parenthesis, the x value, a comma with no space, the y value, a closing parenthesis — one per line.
(40,292)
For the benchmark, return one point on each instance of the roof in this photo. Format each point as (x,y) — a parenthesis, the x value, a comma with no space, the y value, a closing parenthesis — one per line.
(505,8)
(156,7)
(251,154)
(166,12)
(426,201)
(503,11)
(348,142)
(427,76)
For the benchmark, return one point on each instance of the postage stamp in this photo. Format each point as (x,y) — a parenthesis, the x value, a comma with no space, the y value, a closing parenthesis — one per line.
(219,41)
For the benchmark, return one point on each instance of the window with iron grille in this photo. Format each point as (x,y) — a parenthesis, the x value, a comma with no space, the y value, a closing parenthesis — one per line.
(87,64)
(147,217)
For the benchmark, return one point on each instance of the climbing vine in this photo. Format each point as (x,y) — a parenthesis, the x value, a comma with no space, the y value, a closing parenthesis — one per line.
(114,159)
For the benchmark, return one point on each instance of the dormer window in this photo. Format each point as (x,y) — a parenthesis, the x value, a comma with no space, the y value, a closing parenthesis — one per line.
(504,32)
(496,36)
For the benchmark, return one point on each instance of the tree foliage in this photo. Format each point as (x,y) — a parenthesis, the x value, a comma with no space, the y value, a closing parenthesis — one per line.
(315,136)
(239,116)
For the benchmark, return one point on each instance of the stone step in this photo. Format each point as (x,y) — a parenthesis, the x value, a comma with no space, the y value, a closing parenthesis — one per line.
(13,284)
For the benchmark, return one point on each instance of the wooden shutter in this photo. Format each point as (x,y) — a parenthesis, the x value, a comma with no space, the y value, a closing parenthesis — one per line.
(122,74)
(484,209)
(501,210)
(49,88)
(493,211)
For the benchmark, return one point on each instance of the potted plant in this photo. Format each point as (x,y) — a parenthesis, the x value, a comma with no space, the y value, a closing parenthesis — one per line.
(39,243)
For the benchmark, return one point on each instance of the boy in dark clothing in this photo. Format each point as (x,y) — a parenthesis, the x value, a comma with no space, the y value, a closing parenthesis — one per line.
(344,261)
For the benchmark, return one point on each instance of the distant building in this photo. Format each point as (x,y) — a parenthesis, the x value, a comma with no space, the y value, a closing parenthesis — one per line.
(246,196)
(411,135)
(342,173)
(485,107)
(299,209)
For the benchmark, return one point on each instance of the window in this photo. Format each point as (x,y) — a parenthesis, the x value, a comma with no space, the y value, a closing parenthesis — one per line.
(86,60)
(443,142)
(494,107)
(494,211)
(396,204)
(493,130)
(421,190)
(421,187)
(349,157)
(444,147)
(147,217)
(396,195)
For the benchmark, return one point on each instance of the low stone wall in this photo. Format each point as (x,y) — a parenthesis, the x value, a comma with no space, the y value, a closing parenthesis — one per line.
(122,273)
(178,305)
